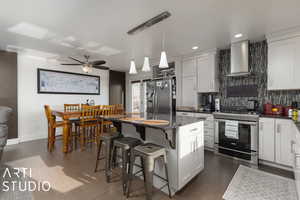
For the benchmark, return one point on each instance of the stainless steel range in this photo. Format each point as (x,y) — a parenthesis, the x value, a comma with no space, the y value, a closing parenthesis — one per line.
(236,135)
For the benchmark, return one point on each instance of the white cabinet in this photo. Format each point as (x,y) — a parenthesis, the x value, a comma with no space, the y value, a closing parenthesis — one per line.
(189,91)
(207,73)
(275,137)
(284,64)
(189,67)
(284,136)
(190,152)
(267,139)
(281,56)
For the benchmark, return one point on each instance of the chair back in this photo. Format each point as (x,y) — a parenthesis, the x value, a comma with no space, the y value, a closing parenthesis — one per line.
(89,113)
(49,115)
(71,107)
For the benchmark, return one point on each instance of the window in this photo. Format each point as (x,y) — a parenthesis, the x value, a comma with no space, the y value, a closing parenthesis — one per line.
(136,96)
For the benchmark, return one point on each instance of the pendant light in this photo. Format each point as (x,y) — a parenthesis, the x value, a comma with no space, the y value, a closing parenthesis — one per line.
(146,66)
(163,56)
(132,67)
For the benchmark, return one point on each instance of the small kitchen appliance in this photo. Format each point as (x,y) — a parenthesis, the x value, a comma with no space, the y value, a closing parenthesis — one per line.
(252,106)
(217,105)
(206,102)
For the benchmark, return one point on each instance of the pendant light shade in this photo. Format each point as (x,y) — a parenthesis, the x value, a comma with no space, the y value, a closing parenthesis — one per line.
(132,68)
(146,66)
(163,60)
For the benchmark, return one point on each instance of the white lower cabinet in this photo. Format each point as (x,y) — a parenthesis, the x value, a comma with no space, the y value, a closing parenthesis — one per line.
(267,139)
(275,138)
(208,127)
(283,138)
(191,152)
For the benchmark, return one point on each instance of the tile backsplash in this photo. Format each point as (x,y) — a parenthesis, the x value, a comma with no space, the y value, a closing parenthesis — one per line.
(258,58)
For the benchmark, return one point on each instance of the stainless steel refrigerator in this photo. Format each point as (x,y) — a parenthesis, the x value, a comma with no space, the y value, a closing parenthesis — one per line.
(161,96)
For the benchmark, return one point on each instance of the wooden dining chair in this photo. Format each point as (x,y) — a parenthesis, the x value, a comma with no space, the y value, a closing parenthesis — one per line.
(52,125)
(89,125)
(71,107)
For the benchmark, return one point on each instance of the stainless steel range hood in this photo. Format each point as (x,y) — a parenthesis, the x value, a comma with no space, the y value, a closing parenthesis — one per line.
(239,59)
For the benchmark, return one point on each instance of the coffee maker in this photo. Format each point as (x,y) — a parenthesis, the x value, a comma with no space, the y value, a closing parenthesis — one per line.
(206,102)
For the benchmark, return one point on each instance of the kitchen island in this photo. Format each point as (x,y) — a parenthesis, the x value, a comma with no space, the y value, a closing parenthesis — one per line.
(182,136)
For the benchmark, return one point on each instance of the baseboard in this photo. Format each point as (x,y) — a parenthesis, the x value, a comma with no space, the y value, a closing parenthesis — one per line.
(13,141)
(36,137)
(271,164)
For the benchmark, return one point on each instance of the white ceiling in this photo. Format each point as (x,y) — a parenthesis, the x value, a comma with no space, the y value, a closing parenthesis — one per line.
(103,24)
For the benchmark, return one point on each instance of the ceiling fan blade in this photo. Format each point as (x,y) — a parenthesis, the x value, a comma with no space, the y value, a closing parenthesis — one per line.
(100,67)
(70,64)
(76,60)
(98,62)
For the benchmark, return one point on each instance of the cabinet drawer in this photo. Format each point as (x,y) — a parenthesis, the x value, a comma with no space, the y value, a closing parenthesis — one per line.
(209,142)
(190,114)
(208,132)
(208,124)
(208,116)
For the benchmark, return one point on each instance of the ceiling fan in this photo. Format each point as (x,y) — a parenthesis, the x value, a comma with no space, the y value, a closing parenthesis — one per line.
(88,65)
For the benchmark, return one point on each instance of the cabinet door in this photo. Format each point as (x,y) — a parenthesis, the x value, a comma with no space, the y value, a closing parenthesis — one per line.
(189,67)
(281,57)
(297,65)
(284,136)
(204,75)
(189,91)
(267,139)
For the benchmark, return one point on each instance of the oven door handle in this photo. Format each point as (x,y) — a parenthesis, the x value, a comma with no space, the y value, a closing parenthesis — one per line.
(240,122)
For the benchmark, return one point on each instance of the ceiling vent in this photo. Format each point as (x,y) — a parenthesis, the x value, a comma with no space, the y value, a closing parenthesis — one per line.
(149,23)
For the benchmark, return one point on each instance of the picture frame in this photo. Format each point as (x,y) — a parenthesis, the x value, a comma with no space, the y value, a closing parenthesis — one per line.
(61,82)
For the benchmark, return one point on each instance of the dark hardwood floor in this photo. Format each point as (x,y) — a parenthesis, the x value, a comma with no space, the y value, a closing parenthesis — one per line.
(72,176)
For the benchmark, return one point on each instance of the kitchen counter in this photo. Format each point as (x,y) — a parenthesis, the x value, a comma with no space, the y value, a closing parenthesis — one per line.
(174,120)
(193,111)
(182,137)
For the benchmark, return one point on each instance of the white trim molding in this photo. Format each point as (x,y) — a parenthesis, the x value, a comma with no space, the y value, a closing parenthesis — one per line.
(13,141)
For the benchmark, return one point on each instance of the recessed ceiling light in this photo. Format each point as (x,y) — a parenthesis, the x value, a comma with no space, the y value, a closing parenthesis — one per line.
(30,30)
(195,47)
(238,35)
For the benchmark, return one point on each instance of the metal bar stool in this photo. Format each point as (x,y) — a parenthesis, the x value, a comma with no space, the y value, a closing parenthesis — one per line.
(106,138)
(126,144)
(149,153)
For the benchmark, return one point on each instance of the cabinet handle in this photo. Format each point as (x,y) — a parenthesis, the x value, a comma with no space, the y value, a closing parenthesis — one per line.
(292,147)
(278,128)
(194,129)
(261,126)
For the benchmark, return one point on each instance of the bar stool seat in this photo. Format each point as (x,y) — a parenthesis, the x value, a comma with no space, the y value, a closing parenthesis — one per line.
(149,153)
(126,144)
(106,138)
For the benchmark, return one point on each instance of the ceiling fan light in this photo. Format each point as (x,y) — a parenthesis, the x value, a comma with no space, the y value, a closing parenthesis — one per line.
(163,60)
(132,68)
(146,66)
(86,68)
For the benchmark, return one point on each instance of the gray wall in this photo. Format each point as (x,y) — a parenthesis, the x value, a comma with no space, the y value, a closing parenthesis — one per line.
(258,66)
(8,88)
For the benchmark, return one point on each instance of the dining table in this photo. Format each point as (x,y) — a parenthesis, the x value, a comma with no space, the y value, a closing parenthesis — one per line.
(66,116)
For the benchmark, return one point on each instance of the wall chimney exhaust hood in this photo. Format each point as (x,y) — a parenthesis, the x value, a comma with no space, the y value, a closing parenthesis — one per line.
(239,59)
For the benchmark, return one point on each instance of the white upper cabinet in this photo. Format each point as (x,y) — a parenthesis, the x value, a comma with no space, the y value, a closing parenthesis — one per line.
(189,67)
(207,73)
(283,63)
(189,91)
